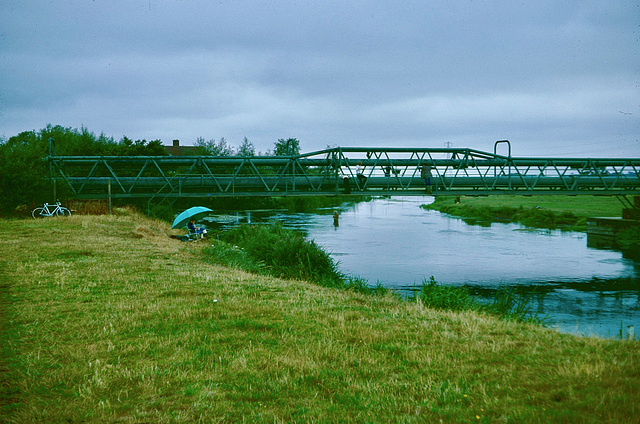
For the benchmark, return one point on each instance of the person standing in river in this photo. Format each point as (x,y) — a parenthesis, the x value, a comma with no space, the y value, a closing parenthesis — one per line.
(361,178)
(346,184)
(425,172)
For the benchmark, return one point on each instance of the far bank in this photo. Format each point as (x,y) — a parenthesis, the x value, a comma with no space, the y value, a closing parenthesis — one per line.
(568,213)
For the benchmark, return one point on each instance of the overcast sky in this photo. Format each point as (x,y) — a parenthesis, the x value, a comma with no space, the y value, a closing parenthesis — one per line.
(556,78)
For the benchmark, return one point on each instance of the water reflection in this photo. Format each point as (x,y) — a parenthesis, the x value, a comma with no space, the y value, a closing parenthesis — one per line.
(597,307)
(393,241)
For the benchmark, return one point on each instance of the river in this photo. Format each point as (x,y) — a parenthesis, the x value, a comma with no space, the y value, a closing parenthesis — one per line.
(578,289)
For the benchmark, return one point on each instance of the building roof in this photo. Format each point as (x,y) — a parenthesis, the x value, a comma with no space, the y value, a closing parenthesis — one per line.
(177,150)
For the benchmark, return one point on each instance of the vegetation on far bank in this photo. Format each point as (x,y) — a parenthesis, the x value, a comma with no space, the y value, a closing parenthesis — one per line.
(108,319)
(540,211)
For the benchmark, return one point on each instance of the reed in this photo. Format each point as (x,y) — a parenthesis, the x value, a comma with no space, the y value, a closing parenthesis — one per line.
(507,303)
(448,298)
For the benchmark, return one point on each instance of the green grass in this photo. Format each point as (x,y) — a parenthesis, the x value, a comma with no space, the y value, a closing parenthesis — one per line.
(271,249)
(282,252)
(105,319)
(540,211)
(506,304)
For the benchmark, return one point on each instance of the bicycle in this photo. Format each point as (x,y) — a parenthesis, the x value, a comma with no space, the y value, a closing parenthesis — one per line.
(44,211)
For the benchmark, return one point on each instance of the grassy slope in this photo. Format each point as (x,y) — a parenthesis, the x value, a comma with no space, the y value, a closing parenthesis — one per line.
(492,207)
(106,319)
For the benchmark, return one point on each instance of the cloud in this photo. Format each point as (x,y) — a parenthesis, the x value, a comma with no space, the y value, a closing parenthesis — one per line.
(349,73)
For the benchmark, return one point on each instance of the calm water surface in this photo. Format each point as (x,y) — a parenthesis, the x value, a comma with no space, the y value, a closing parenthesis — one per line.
(393,241)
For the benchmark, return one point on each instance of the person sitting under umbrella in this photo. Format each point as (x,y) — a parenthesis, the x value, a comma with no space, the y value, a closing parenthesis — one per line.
(193,229)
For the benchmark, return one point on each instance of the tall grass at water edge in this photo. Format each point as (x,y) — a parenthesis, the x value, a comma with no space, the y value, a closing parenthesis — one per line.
(271,249)
(506,304)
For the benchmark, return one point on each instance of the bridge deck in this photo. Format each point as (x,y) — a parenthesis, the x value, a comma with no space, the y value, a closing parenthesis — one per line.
(385,171)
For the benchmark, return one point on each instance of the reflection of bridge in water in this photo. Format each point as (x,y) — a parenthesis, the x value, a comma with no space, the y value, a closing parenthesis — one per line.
(385,171)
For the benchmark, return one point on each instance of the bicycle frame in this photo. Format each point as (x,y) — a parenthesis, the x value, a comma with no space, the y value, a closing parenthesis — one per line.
(46,211)
(50,212)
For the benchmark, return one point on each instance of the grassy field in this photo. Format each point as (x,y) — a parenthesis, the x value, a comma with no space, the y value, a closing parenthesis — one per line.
(542,211)
(106,319)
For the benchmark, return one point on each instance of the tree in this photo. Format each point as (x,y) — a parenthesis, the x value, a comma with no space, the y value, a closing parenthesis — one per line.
(73,142)
(246,149)
(24,171)
(128,147)
(213,147)
(288,147)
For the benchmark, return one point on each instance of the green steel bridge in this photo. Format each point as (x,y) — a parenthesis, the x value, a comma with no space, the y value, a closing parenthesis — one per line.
(385,171)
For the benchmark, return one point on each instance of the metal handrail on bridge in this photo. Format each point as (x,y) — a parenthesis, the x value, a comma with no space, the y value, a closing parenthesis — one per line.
(333,171)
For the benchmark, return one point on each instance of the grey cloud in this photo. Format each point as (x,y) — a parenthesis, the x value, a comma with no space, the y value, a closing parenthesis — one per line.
(350,73)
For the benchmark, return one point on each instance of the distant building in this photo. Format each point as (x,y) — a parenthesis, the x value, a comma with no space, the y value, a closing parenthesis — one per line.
(177,150)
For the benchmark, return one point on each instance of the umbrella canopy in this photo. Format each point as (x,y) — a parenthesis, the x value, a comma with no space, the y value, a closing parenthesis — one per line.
(195,212)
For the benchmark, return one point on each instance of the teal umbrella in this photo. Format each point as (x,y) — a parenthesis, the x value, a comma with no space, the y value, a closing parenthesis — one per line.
(195,212)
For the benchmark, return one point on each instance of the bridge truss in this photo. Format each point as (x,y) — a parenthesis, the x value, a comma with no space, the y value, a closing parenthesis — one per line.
(386,171)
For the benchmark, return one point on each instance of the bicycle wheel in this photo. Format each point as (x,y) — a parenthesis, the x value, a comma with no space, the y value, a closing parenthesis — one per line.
(63,212)
(38,213)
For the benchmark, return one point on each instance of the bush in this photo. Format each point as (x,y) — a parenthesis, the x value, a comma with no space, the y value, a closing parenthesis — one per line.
(233,257)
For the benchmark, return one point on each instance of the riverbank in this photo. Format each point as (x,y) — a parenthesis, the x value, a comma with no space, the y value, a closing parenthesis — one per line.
(108,319)
(568,213)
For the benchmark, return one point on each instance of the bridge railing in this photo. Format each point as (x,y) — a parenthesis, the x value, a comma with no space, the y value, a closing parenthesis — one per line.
(335,171)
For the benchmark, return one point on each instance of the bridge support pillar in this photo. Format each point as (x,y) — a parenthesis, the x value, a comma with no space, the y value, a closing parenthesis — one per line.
(634,212)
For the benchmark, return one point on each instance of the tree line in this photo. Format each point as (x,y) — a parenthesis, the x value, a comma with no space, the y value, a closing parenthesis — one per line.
(282,147)
(24,172)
